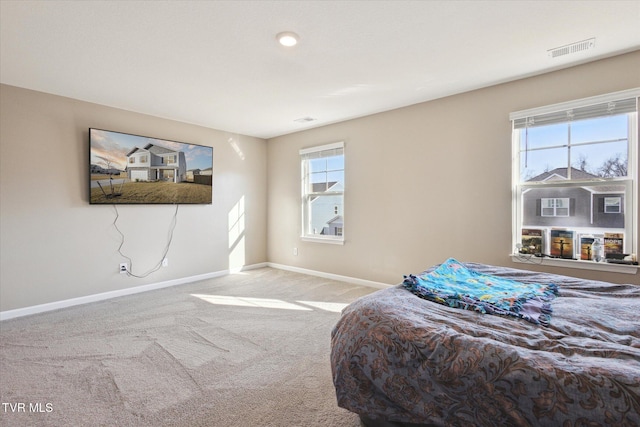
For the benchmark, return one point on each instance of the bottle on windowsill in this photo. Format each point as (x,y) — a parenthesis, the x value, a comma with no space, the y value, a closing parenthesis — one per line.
(597,250)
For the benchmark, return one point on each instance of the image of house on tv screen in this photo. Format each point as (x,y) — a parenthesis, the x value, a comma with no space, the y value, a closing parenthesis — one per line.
(133,169)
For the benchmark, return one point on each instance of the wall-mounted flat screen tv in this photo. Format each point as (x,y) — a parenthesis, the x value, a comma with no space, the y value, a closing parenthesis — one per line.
(134,169)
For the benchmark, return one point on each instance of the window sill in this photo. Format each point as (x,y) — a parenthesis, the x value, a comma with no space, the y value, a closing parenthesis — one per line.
(570,263)
(329,240)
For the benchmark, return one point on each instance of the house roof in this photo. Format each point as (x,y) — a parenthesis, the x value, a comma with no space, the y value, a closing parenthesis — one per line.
(561,173)
(319,187)
(134,150)
(607,189)
(152,148)
(158,149)
(337,218)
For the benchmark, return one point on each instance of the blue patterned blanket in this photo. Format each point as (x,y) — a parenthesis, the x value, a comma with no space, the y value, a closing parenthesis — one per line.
(457,286)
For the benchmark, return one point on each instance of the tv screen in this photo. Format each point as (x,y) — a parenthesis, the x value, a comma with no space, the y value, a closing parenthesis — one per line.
(133,169)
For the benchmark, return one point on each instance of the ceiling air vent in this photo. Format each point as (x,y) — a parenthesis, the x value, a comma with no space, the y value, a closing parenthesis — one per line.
(572,48)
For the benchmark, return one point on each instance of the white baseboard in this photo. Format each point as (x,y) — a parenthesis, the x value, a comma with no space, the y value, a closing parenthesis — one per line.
(41,308)
(354,280)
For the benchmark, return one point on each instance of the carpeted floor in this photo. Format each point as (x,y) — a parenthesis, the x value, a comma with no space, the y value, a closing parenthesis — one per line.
(248,349)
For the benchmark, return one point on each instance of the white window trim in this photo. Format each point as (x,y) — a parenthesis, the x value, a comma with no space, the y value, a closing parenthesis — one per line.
(580,265)
(330,240)
(630,93)
(618,205)
(633,165)
(555,206)
(322,148)
(334,240)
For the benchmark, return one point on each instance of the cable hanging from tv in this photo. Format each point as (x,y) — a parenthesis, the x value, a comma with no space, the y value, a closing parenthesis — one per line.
(156,267)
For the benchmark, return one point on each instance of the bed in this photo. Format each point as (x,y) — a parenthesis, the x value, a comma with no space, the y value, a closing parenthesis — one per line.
(400,360)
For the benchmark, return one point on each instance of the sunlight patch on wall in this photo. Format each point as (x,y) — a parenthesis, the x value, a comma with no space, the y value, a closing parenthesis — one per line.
(236,236)
(236,147)
(236,222)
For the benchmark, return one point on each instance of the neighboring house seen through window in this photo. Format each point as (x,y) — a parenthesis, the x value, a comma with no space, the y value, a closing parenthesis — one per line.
(323,193)
(575,174)
(555,207)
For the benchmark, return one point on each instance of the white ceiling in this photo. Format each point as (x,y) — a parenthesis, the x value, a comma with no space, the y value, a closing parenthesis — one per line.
(217,64)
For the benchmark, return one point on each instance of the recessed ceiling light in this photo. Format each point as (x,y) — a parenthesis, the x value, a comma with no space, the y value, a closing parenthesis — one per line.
(287,38)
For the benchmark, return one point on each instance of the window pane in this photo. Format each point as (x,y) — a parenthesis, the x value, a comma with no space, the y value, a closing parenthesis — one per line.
(600,129)
(317,165)
(335,163)
(318,177)
(328,170)
(599,148)
(336,179)
(541,165)
(543,136)
(612,204)
(317,182)
(601,160)
(324,220)
(576,207)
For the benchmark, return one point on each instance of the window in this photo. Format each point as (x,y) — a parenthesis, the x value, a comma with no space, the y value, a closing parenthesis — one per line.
(323,193)
(554,207)
(612,204)
(575,168)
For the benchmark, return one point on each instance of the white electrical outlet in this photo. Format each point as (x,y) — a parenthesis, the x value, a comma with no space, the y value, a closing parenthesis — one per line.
(124,268)
(165,262)
(295,251)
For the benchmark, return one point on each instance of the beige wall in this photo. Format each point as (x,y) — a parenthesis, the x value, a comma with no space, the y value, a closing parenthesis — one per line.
(429,181)
(424,183)
(55,246)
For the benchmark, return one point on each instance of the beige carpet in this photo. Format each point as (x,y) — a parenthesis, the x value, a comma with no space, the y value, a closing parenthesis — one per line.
(248,349)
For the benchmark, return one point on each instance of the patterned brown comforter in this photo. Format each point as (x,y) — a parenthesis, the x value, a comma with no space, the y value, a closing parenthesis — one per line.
(399,358)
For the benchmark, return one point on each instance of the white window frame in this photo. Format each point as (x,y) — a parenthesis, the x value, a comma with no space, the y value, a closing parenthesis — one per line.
(564,204)
(631,183)
(305,155)
(617,204)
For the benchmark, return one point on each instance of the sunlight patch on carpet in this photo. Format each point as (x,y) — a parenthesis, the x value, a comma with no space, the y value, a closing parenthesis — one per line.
(250,302)
(335,307)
